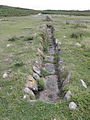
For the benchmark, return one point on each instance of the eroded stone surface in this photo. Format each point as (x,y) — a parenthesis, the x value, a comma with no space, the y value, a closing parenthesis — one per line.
(49,58)
(51,50)
(51,92)
(50,68)
(31,83)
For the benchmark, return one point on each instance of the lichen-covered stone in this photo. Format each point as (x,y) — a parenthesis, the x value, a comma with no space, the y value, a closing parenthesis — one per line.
(31,83)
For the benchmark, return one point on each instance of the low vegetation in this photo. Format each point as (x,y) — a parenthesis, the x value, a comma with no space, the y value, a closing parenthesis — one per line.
(6,11)
(41,84)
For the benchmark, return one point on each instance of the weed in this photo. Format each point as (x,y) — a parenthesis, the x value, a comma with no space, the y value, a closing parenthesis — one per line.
(18,63)
(41,84)
(44,73)
(32,97)
(77,35)
(12,39)
(28,39)
(80,26)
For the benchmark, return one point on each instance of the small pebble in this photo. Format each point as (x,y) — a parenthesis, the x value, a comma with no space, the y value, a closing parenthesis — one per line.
(5,75)
(78,44)
(8,45)
(83,83)
(24,97)
(72,105)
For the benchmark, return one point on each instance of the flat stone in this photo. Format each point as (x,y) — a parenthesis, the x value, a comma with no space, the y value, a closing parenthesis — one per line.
(36,70)
(51,82)
(49,58)
(31,83)
(68,95)
(51,50)
(36,76)
(50,68)
(28,91)
(72,105)
(50,94)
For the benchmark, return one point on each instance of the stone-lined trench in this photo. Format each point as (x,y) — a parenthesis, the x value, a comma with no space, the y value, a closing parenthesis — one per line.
(52,91)
(51,88)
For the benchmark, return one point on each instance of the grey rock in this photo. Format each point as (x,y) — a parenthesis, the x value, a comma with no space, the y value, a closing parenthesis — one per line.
(50,94)
(28,91)
(60,61)
(50,68)
(36,70)
(49,58)
(72,105)
(68,95)
(51,50)
(36,76)
(48,18)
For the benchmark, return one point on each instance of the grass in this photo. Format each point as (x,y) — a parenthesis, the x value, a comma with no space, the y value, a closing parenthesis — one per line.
(41,84)
(44,73)
(75,59)
(8,11)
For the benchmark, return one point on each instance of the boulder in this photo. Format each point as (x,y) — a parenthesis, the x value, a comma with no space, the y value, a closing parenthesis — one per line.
(72,105)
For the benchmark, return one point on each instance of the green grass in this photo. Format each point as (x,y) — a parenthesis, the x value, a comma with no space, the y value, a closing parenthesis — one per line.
(6,11)
(75,59)
(41,84)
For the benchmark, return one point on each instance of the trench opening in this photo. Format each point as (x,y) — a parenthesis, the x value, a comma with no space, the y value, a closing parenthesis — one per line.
(53,83)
